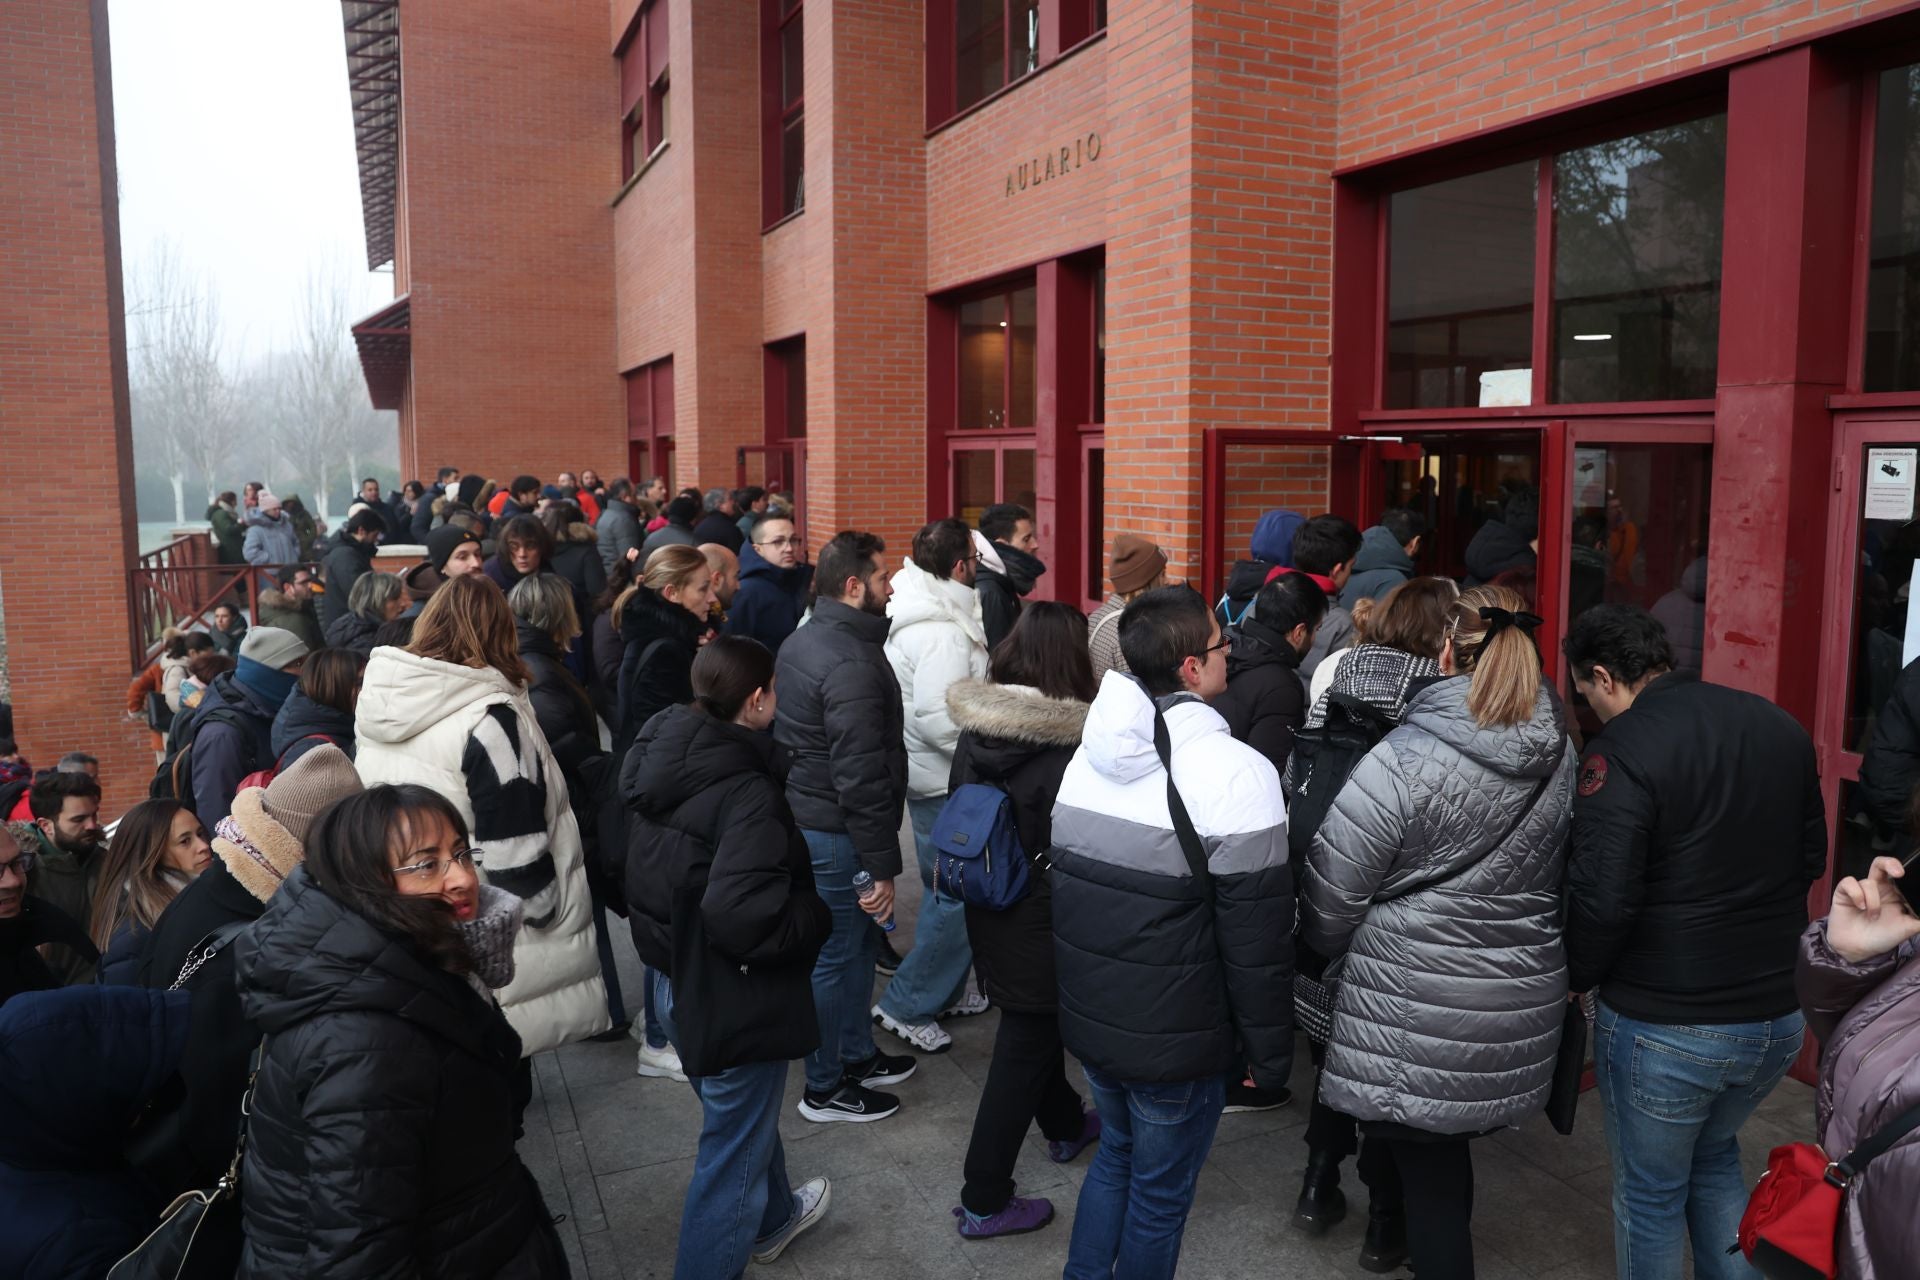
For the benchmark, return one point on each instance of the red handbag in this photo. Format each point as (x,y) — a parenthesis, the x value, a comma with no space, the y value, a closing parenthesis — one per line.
(1793,1217)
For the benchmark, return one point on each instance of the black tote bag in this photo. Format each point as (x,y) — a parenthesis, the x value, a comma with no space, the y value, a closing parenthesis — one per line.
(728,1014)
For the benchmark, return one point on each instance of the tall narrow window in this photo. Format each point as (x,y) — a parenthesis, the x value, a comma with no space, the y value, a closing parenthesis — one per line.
(783,68)
(643,87)
(1893,264)
(650,421)
(996,42)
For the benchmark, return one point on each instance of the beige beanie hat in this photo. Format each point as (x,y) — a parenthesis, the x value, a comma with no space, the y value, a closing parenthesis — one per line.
(264,838)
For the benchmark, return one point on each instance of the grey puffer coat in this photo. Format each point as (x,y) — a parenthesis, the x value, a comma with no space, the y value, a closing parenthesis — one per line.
(1453,980)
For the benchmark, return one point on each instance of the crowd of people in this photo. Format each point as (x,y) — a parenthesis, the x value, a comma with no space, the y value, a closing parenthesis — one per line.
(397,816)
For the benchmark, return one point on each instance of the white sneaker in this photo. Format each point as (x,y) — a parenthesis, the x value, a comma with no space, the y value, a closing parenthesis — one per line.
(809,1206)
(663,1064)
(970,1004)
(927,1037)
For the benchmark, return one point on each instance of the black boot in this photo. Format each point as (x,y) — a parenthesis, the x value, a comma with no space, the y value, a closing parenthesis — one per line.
(1386,1246)
(1322,1203)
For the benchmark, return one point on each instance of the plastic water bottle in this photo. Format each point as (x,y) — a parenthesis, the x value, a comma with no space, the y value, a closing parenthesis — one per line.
(863,889)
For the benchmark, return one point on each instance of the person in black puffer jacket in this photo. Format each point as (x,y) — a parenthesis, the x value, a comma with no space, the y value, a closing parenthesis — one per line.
(1264,702)
(1506,542)
(1018,730)
(375,600)
(1008,567)
(320,708)
(662,621)
(546,623)
(349,559)
(576,552)
(715,861)
(389,1094)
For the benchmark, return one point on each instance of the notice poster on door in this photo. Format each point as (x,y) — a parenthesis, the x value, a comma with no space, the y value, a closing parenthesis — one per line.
(1589,479)
(1889,484)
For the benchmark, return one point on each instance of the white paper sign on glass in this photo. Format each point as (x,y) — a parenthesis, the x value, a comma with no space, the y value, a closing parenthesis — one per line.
(1889,484)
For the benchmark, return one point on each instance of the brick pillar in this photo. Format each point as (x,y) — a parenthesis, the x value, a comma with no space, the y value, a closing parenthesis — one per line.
(63,393)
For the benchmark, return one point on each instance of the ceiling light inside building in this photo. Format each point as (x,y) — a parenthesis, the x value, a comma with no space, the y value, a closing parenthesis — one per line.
(1593,337)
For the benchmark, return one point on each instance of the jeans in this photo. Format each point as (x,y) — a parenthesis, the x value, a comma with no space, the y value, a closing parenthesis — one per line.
(1140,1184)
(1027,1081)
(1675,1098)
(739,1193)
(934,974)
(609,969)
(843,976)
(650,1024)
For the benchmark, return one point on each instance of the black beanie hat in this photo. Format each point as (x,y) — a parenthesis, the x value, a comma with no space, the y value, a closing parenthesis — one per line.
(470,487)
(444,541)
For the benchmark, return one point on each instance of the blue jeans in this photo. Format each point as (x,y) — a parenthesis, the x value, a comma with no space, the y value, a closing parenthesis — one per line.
(739,1193)
(934,974)
(1134,1202)
(650,1025)
(843,976)
(1675,1098)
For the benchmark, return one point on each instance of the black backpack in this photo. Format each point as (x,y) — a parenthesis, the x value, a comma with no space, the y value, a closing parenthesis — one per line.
(173,780)
(1323,758)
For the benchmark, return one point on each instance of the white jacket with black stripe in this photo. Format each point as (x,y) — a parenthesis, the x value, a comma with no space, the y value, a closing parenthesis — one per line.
(1156,983)
(471,734)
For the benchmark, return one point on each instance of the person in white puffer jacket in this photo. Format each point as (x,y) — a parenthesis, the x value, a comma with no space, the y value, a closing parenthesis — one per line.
(451,712)
(937,641)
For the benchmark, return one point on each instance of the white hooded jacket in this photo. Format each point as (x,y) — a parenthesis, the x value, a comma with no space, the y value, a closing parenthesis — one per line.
(937,641)
(456,729)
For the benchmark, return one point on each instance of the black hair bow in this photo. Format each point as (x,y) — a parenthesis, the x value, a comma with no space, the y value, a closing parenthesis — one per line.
(1498,620)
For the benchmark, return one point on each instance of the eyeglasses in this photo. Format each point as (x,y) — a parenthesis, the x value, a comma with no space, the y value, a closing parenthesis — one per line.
(23,863)
(1226,642)
(777,543)
(434,870)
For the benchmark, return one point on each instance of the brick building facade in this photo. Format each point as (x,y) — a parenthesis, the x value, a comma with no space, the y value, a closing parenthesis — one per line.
(1161,265)
(63,393)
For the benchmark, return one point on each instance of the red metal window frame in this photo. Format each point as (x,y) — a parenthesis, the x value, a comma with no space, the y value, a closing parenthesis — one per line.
(1362,267)
(650,420)
(1064,26)
(777,116)
(642,58)
(783,453)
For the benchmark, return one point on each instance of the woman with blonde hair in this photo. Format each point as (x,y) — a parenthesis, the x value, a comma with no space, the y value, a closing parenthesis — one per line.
(663,623)
(1434,881)
(451,712)
(158,849)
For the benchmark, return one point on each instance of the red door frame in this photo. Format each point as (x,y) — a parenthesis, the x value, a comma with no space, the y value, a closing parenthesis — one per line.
(795,483)
(1352,485)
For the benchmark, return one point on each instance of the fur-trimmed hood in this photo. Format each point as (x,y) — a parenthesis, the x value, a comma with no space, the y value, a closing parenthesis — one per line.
(577,533)
(1016,712)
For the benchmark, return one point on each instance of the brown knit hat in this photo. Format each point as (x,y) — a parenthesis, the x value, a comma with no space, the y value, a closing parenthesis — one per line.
(1135,563)
(311,783)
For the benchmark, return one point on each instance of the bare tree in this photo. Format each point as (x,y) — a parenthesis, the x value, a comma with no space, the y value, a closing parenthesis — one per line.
(329,423)
(183,406)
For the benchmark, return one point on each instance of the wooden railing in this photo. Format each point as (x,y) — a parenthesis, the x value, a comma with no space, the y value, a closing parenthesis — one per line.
(179,585)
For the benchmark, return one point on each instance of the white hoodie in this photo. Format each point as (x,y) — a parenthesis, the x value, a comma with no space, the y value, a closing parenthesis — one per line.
(413,723)
(937,640)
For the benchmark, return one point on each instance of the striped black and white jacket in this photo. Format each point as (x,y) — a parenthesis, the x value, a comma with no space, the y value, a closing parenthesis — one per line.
(1160,981)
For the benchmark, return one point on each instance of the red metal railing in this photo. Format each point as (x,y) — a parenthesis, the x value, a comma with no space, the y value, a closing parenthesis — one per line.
(178,585)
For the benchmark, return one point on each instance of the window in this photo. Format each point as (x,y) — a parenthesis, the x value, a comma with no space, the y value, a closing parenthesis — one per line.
(1636,265)
(643,87)
(1893,266)
(650,421)
(1460,287)
(787,390)
(1100,344)
(996,42)
(998,334)
(783,67)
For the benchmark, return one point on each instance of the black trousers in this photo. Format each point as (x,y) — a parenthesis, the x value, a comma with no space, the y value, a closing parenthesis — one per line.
(1026,1081)
(1336,1134)
(1432,1177)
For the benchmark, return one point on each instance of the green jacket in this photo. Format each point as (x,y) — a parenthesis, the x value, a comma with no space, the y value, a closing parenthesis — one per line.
(277,609)
(61,879)
(228,534)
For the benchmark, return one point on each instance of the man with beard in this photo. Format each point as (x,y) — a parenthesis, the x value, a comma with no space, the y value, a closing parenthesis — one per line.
(1008,567)
(66,819)
(841,723)
(26,924)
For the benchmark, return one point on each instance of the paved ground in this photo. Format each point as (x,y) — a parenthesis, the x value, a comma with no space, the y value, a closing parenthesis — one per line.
(614,1152)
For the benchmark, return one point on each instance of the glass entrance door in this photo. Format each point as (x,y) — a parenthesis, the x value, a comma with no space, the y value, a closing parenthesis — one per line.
(1870,629)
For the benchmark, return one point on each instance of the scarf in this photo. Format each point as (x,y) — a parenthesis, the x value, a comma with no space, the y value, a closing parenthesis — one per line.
(272,686)
(1325,584)
(1382,678)
(489,937)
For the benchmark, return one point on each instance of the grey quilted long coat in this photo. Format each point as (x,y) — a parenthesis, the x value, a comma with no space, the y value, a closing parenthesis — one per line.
(1451,992)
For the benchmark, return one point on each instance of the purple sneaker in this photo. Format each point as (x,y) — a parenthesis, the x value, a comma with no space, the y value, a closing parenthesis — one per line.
(1020,1216)
(1063,1150)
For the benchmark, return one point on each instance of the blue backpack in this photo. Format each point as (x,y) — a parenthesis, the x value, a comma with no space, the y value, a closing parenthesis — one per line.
(977,853)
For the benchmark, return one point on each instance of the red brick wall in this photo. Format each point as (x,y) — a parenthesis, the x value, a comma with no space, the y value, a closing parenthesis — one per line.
(63,377)
(974,227)
(511,119)
(1420,71)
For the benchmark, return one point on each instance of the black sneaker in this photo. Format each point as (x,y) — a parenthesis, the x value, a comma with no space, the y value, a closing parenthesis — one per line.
(888,961)
(1246,1096)
(849,1103)
(882,1068)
